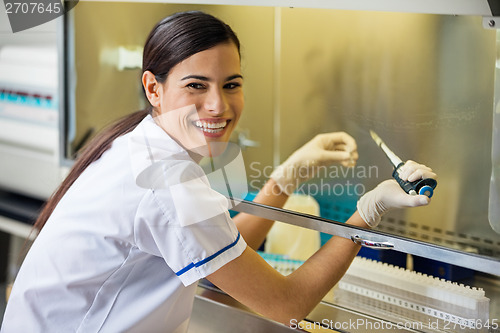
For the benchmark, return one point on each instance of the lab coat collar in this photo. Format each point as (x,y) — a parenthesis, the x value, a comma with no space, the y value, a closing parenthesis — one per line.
(149,144)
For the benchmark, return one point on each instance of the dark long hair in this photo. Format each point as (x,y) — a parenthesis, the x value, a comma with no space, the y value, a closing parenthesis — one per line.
(172,40)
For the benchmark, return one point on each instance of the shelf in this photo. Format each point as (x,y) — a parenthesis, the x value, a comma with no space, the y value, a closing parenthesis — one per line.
(16,228)
(446,7)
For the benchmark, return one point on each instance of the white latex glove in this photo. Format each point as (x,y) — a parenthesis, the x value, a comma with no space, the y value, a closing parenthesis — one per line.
(389,195)
(322,150)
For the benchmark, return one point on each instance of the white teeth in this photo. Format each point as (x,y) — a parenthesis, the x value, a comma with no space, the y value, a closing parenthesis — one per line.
(211,127)
(212,130)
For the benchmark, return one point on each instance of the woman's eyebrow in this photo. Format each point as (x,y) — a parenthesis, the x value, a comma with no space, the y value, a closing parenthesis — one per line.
(235,76)
(197,77)
(204,78)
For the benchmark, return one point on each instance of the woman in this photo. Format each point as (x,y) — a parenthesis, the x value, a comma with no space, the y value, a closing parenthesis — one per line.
(135,224)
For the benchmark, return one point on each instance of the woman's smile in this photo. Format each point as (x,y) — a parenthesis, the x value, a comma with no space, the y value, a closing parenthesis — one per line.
(212,128)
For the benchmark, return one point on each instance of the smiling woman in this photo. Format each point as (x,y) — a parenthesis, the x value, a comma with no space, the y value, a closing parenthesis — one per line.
(135,224)
(209,83)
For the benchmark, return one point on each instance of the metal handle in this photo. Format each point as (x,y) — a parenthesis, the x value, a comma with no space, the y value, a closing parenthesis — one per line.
(371,244)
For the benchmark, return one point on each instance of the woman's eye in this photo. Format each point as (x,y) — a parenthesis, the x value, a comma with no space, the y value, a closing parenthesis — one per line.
(195,85)
(232,85)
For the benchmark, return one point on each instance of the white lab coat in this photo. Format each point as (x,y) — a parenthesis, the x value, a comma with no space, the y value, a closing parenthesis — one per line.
(118,254)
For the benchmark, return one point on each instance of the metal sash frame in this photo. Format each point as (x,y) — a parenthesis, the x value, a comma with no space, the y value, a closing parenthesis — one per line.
(374,238)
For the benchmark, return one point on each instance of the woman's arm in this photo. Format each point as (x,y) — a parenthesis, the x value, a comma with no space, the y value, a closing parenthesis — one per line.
(252,281)
(253,228)
(256,284)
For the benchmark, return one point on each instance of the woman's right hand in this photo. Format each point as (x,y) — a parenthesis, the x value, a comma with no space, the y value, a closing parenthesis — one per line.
(323,150)
(389,195)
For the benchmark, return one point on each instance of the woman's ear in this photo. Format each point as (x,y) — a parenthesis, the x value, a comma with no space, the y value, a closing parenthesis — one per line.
(152,88)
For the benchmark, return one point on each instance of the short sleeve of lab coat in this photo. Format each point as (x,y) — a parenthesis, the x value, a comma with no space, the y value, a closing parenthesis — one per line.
(183,220)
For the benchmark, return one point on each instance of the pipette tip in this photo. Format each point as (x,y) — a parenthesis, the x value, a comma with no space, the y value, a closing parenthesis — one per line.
(375,137)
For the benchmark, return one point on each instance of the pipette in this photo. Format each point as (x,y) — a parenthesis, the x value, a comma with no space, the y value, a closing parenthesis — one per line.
(420,186)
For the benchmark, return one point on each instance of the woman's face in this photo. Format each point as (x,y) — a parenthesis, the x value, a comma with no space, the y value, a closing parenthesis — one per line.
(201,100)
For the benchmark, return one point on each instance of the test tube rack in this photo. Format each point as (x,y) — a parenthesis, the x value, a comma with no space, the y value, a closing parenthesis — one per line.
(403,296)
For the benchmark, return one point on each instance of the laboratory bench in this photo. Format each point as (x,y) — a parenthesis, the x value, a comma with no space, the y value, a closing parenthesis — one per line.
(215,311)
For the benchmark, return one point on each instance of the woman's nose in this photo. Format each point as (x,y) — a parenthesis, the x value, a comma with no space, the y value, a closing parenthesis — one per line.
(216,102)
